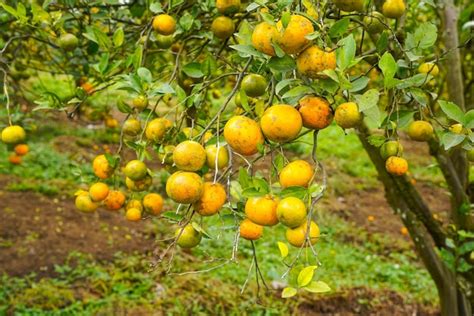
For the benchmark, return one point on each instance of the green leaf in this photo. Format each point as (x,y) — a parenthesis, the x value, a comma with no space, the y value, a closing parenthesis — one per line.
(283,249)
(368,104)
(209,66)
(389,68)
(359,84)
(285,19)
(376,140)
(382,43)
(298,92)
(186,21)
(171,215)
(450,140)
(193,70)
(296,191)
(118,37)
(144,74)
(339,28)
(155,7)
(468,121)
(288,292)
(246,50)
(345,54)
(306,275)
(163,88)
(201,230)
(452,110)
(283,64)
(9,9)
(137,57)
(123,107)
(415,81)
(244,178)
(317,287)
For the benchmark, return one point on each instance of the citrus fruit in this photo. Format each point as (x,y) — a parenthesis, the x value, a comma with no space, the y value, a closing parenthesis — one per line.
(164,41)
(347,115)
(21,149)
(243,135)
(114,200)
(153,203)
(68,41)
(110,122)
(393,9)
(13,134)
(391,148)
(189,156)
(292,39)
(140,102)
(349,5)
(131,127)
(214,155)
(166,154)
(133,214)
(135,170)
(227,6)
(134,204)
(223,27)
(101,167)
(291,212)
(296,173)
(212,199)
(164,24)
(249,230)
(315,112)
(184,187)
(375,22)
(297,236)
(254,85)
(314,60)
(139,185)
(262,210)
(263,37)
(98,191)
(456,128)
(420,131)
(281,123)
(429,68)
(188,236)
(84,203)
(14,159)
(396,165)
(157,128)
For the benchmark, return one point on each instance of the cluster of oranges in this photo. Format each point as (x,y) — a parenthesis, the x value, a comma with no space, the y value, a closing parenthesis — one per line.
(14,136)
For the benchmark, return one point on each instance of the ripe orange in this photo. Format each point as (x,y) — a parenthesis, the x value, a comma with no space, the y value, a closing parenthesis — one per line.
(243,135)
(212,199)
(101,167)
(87,87)
(188,236)
(21,149)
(314,60)
(164,24)
(153,203)
(228,6)
(135,170)
(281,123)
(249,230)
(13,134)
(221,155)
(292,39)
(157,128)
(263,37)
(315,112)
(98,191)
(114,200)
(223,27)
(84,203)
(140,102)
(139,185)
(420,131)
(131,127)
(396,165)
(262,210)
(296,173)
(184,187)
(14,159)
(291,212)
(297,236)
(254,85)
(348,115)
(110,122)
(393,9)
(189,156)
(133,214)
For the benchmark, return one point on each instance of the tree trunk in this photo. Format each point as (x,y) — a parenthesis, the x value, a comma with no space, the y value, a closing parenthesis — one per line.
(405,200)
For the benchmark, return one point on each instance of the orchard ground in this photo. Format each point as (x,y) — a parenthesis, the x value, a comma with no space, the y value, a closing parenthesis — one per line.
(56,259)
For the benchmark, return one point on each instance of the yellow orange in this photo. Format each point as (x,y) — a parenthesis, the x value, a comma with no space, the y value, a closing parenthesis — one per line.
(212,199)
(296,173)
(281,123)
(243,135)
(262,210)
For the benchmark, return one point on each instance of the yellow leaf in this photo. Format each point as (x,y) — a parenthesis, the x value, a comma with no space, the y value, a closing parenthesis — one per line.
(288,292)
(317,287)
(283,249)
(306,275)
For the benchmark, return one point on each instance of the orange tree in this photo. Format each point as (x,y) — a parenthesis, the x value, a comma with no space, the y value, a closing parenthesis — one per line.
(213,89)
